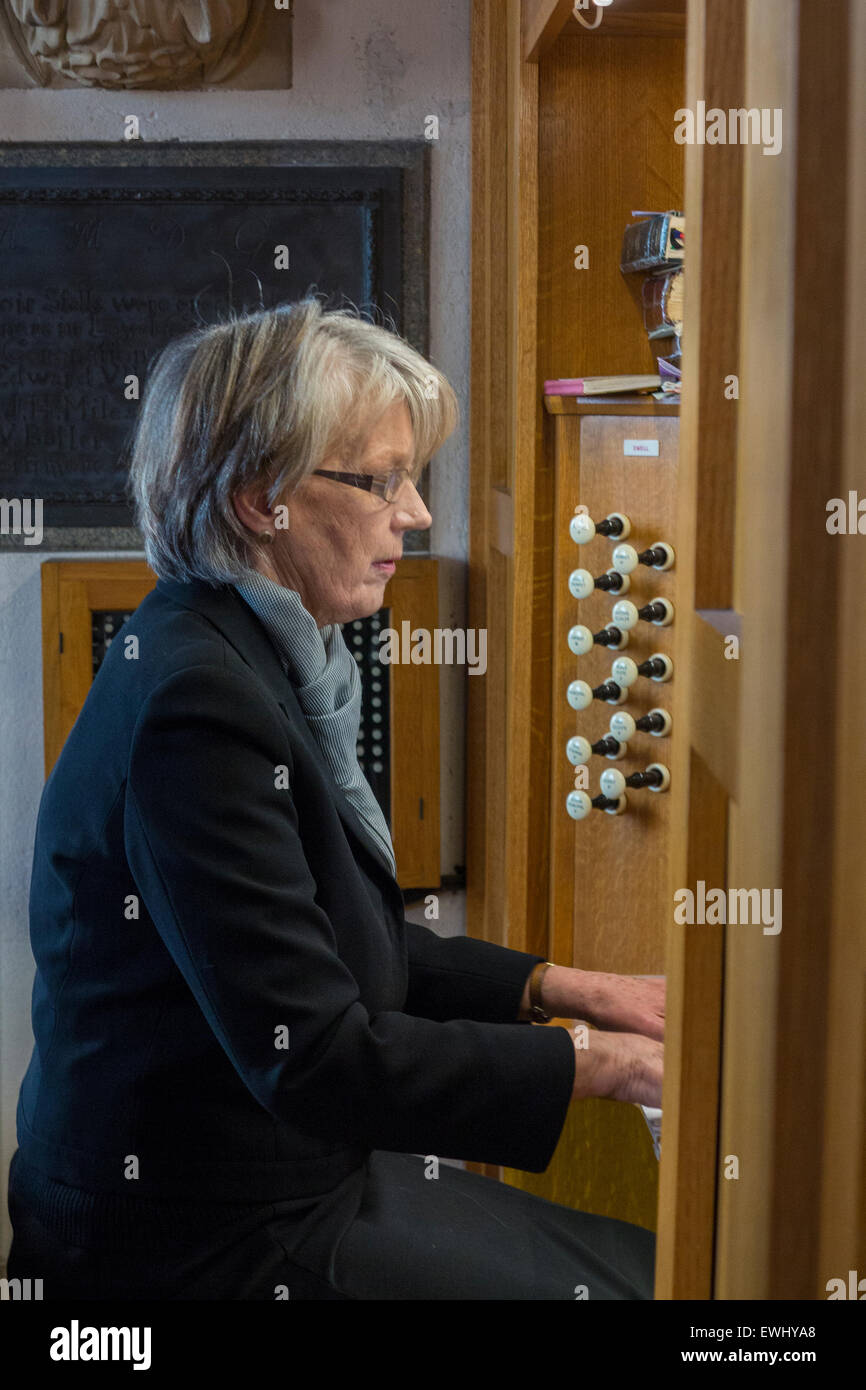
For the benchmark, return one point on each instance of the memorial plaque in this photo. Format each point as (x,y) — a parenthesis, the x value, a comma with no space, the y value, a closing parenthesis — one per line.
(101,266)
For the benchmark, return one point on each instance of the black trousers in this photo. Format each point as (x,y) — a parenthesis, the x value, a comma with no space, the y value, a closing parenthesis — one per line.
(387,1232)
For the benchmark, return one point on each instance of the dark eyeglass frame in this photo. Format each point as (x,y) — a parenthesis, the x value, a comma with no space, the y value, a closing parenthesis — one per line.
(385,487)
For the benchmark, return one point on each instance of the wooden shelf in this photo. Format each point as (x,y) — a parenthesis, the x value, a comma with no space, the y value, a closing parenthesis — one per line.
(546,20)
(608,405)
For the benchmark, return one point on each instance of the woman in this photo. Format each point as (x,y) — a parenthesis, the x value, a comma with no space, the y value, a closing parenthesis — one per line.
(242,1048)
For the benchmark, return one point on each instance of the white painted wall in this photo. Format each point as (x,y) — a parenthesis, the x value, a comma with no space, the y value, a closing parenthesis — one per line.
(361,71)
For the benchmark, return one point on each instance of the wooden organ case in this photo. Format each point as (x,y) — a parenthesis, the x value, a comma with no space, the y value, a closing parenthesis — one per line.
(761,1189)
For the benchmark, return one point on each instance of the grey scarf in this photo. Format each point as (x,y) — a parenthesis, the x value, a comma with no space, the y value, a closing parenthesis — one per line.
(326,681)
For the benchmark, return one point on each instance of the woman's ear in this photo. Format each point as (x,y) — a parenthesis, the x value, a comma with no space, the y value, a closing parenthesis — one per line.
(252,509)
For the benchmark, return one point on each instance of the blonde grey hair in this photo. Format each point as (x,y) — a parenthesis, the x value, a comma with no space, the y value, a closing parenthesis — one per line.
(264,398)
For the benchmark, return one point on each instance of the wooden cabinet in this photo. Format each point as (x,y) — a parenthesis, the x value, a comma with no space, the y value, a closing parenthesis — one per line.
(762,1182)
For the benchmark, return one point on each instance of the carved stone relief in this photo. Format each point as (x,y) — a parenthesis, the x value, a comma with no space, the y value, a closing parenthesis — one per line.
(133,43)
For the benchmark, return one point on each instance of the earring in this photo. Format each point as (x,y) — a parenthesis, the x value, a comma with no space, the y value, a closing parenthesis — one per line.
(266,536)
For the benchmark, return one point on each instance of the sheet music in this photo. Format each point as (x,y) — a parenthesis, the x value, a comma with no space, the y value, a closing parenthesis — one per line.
(654,1122)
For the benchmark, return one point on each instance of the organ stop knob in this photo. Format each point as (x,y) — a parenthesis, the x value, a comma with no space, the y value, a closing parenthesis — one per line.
(623,725)
(658,611)
(658,667)
(580,695)
(656,777)
(581,583)
(581,640)
(582,528)
(659,557)
(579,750)
(579,805)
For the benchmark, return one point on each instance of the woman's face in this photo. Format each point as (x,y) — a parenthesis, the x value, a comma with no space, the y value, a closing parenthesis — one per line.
(341,543)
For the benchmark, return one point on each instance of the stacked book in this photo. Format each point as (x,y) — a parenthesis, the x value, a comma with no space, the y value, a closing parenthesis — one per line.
(654,247)
(602,385)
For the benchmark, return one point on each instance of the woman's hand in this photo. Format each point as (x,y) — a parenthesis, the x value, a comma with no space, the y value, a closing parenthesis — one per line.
(618,1066)
(623,1003)
(613,1003)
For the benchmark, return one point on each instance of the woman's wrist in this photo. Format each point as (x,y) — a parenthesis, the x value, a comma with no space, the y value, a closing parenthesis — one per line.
(565,991)
(562,990)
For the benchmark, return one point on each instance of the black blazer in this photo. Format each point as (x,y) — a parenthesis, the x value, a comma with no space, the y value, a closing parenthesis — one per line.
(228,999)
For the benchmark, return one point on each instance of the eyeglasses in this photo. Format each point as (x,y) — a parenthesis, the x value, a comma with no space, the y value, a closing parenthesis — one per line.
(387,487)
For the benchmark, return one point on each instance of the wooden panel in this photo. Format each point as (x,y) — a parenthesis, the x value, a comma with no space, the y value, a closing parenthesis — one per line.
(843,1204)
(545,20)
(606,124)
(413,597)
(716,263)
(608,908)
(508,717)
(488,427)
(783,830)
(71,590)
(708,684)
(531,483)
(608,865)
(715,713)
(695,972)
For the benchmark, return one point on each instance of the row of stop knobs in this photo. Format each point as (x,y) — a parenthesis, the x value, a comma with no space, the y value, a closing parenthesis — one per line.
(659,667)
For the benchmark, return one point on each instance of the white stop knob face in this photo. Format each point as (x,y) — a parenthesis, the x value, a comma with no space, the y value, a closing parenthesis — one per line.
(622,726)
(624,615)
(580,583)
(624,559)
(578,751)
(612,783)
(580,640)
(581,528)
(624,671)
(578,805)
(579,695)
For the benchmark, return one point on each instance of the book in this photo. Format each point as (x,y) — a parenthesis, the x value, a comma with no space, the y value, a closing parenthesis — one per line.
(600,385)
(662,298)
(654,243)
(670,368)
